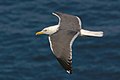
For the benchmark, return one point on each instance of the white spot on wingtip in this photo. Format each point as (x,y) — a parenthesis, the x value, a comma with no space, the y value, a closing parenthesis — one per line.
(68,71)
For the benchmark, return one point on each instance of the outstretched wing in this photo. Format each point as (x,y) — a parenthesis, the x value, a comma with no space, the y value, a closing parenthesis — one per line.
(61,43)
(68,22)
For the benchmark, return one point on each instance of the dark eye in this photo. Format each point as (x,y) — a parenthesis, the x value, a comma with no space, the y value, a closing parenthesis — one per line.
(45,30)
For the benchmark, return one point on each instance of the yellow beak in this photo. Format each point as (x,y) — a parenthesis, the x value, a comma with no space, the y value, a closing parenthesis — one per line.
(39,33)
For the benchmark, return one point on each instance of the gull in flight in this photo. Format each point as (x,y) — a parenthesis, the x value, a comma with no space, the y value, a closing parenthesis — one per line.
(62,36)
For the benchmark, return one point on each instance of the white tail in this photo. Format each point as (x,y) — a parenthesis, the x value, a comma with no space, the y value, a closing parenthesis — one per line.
(91,33)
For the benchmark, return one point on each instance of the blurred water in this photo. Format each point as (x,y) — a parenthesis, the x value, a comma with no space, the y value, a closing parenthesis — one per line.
(24,56)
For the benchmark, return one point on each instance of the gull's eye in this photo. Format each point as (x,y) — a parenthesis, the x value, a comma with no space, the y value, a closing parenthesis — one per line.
(45,30)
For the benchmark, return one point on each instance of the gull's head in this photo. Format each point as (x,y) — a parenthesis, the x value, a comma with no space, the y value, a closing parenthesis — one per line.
(44,31)
(49,30)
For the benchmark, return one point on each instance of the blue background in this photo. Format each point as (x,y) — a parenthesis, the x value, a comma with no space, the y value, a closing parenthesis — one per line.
(25,56)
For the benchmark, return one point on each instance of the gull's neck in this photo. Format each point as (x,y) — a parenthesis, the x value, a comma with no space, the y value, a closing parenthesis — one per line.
(53,29)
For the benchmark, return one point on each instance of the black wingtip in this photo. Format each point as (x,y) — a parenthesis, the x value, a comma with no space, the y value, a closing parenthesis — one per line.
(67,66)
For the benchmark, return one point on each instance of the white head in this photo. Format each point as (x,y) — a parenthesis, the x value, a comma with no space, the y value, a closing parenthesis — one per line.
(49,30)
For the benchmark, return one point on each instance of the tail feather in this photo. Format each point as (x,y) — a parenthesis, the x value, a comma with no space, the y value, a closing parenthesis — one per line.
(91,33)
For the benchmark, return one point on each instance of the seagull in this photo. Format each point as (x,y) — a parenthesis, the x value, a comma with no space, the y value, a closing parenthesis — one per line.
(62,36)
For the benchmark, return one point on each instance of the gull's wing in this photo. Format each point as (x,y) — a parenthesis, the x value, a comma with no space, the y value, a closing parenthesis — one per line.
(61,46)
(68,22)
